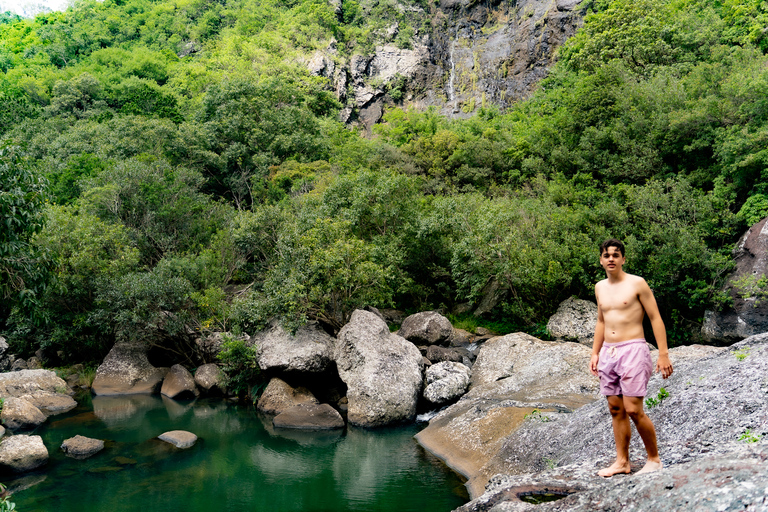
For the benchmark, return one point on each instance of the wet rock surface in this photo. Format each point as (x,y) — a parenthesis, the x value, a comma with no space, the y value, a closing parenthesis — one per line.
(309,417)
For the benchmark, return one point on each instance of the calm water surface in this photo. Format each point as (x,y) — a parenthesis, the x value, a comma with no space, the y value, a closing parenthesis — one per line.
(240,463)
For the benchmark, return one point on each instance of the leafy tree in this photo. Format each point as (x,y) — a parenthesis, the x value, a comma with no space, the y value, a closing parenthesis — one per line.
(22,270)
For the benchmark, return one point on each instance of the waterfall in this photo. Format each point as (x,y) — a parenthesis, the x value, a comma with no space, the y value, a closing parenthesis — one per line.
(451,91)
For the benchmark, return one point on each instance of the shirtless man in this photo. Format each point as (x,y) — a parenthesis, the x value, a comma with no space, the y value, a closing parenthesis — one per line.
(620,356)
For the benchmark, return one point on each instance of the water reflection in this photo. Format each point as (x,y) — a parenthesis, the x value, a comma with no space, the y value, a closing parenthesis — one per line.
(239,463)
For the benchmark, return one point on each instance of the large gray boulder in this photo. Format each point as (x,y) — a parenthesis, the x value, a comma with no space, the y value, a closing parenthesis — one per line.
(574,320)
(749,315)
(51,403)
(310,350)
(427,328)
(18,414)
(309,417)
(81,447)
(279,396)
(382,372)
(31,382)
(179,383)
(5,358)
(210,378)
(126,370)
(21,453)
(446,382)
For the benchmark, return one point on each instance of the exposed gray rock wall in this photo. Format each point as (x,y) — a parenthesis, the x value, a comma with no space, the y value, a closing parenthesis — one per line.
(749,315)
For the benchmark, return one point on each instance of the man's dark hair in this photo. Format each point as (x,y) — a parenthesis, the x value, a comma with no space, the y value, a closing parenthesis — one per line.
(612,242)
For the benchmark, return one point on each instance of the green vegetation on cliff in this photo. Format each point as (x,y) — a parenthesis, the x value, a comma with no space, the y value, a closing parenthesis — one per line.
(197,176)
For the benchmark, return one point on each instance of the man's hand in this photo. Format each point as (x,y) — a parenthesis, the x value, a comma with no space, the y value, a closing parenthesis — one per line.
(664,366)
(593,364)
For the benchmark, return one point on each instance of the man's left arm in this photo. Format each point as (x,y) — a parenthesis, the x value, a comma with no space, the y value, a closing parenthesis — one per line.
(663,365)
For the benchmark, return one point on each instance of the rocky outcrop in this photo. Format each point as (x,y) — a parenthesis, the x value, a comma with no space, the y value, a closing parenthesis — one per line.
(446,382)
(6,359)
(280,396)
(382,372)
(22,453)
(309,417)
(513,376)
(749,314)
(179,438)
(210,378)
(310,350)
(126,370)
(716,403)
(18,414)
(179,383)
(574,320)
(81,447)
(427,327)
(32,382)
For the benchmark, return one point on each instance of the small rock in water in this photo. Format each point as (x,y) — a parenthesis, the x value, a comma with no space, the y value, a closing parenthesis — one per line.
(80,447)
(125,461)
(179,438)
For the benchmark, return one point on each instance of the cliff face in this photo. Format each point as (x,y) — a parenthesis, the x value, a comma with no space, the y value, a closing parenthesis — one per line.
(464,54)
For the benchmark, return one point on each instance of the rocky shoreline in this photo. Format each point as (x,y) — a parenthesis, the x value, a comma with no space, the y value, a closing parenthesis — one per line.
(519,416)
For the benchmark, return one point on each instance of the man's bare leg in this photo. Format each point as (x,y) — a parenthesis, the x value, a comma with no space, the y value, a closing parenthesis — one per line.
(634,407)
(621,434)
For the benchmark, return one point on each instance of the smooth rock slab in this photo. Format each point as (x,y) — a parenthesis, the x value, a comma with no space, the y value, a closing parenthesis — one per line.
(179,438)
(22,453)
(309,417)
(81,447)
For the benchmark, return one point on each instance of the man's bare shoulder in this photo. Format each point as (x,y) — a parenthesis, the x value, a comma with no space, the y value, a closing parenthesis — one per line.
(636,281)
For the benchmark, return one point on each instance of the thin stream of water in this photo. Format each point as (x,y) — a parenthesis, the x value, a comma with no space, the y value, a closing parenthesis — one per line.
(240,462)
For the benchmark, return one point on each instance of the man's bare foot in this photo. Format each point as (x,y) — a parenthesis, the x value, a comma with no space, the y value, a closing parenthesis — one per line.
(615,469)
(650,467)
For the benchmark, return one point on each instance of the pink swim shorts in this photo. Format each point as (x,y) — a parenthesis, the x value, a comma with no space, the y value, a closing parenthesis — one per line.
(625,368)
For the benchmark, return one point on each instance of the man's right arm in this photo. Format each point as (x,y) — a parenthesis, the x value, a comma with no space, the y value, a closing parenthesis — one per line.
(597,344)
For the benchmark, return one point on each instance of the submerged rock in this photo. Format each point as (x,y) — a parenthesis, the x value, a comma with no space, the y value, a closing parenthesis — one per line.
(179,438)
(81,447)
(21,453)
(309,417)
(382,372)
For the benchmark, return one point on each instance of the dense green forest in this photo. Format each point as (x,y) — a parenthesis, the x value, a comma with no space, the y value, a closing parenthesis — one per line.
(169,167)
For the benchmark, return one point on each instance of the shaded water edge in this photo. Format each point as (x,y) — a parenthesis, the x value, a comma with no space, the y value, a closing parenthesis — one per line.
(240,462)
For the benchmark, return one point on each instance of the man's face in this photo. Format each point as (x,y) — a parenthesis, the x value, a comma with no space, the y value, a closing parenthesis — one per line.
(611,259)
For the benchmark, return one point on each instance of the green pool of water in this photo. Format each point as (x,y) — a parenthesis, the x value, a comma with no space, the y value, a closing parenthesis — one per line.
(240,463)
